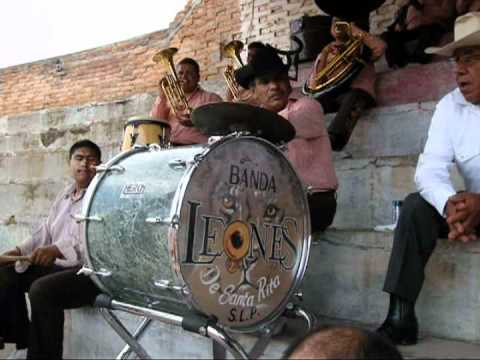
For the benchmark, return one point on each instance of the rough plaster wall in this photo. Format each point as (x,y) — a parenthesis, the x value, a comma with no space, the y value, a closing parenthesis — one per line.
(34,152)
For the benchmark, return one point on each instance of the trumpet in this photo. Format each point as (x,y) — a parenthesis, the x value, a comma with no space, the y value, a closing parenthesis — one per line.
(232,50)
(170,84)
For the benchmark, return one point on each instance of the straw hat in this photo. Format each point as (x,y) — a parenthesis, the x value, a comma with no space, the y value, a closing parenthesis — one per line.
(466,33)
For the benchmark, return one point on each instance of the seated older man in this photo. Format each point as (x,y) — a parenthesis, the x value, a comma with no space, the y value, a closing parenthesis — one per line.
(310,152)
(437,210)
(54,255)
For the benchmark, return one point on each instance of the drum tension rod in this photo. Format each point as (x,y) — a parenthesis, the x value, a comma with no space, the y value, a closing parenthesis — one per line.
(106,168)
(89,272)
(168,285)
(80,218)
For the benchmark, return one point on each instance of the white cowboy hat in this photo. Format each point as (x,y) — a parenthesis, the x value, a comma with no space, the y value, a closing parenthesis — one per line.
(466,33)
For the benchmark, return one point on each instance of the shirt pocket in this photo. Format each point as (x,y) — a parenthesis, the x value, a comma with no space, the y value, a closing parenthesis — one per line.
(467,152)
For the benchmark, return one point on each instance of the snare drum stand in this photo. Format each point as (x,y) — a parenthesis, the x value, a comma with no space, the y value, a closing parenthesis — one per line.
(196,323)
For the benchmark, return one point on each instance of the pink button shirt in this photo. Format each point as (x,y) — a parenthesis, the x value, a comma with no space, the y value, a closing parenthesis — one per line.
(184,134)
(59,229)
(310,151)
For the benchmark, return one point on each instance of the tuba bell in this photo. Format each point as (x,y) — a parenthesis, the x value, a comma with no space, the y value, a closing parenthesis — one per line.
(342,68)
(232,50)
(170,84)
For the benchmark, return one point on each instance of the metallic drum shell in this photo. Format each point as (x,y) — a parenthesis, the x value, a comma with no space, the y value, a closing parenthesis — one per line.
(221,229)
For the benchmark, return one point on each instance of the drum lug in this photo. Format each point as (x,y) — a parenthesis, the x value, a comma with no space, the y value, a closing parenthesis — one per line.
(299,295)
(80,218)
(106,168)
(89,272)
(309,189)
(198,158)
(283,147)
(177,164)
(154,147)
(175,222)
(238,134)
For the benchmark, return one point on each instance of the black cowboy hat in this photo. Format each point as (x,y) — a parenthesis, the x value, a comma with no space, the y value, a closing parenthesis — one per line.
(266,62)
(348,10)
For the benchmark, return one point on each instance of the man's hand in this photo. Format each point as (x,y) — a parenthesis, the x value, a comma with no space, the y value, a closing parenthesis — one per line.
(45,256)
(161,94)
(184,119)
(463,216)
(14,252)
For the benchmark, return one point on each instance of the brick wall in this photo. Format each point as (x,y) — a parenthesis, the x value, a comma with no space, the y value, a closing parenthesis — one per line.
(125,68)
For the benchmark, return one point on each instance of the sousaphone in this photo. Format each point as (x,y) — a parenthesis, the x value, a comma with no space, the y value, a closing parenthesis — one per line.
(342,69)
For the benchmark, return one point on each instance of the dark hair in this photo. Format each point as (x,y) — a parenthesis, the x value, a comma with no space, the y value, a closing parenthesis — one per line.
(343,341)
(256,45)
(86,144)
(192,62)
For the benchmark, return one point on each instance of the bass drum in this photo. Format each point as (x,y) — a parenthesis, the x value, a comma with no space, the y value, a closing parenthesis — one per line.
(220,229)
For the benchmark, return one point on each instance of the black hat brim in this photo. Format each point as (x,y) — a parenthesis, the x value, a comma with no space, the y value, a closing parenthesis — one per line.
(349,11)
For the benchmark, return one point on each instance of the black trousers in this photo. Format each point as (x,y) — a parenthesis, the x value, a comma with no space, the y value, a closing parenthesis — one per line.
(51,291)
(323,206)
(419,226)
(352,104)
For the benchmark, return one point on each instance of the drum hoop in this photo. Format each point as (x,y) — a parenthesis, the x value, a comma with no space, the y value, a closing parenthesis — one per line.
(136,122)
(91,190)
(176,208)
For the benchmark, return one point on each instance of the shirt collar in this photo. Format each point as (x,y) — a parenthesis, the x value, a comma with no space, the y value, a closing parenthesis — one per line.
(69,193)
(194,92)
(460,99)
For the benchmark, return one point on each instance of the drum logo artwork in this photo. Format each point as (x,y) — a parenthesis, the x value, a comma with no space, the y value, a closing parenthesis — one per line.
(243,242)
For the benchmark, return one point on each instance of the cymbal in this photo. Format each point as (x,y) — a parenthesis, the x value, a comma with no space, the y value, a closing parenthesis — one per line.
(348,10)
(223,118)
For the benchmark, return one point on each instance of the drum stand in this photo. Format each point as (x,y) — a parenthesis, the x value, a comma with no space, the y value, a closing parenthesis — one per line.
(196,323)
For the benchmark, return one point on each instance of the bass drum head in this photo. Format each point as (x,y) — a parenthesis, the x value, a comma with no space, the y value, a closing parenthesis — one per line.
(244,237)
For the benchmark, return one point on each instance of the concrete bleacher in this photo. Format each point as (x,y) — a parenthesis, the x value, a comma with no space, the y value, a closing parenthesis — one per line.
(344,279)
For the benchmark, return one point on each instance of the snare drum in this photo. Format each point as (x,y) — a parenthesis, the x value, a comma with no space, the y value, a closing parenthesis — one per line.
(142,130)
(221,229)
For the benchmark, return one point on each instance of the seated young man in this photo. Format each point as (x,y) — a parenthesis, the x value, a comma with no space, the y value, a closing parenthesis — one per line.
(49,276)
(310,152)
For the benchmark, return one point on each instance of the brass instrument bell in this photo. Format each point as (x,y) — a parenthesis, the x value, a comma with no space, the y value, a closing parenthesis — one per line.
(342,66)
(232,50)
(170,84)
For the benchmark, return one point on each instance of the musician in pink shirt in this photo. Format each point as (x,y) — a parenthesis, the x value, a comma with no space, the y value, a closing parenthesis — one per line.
(182,130)
(55,254)
(310,151)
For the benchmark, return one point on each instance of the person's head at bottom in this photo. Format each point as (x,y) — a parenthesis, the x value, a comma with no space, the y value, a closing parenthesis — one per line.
(342,342)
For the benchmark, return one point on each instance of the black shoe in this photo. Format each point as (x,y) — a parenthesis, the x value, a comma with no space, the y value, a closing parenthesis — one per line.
(403,333)
(2,344)
(401,325)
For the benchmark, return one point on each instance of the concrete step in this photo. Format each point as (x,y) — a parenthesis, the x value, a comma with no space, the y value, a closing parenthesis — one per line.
(345,276)
(390,131)
(367,187)
(162,341)
(414,83)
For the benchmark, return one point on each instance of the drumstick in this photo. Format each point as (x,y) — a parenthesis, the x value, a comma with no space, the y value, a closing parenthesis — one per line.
(10,259)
